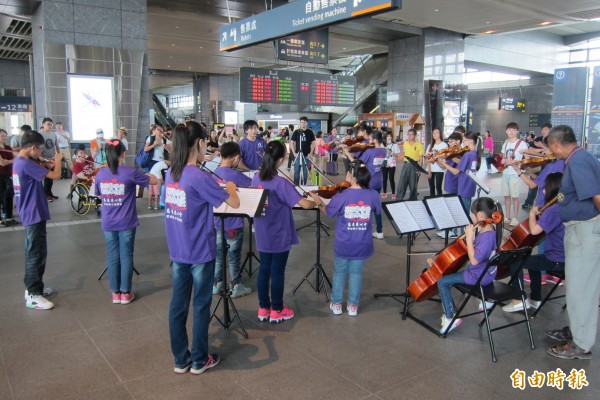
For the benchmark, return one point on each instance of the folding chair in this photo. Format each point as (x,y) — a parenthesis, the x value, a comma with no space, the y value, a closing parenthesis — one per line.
(559,275)
(498,293)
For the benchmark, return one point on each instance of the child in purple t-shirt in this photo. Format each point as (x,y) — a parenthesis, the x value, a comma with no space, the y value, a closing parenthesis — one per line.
(480,248)
(275,234)
(116,186)
(353,235)
(32,205)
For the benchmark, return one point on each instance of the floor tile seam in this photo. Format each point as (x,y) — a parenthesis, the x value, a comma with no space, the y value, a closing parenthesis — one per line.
(12,396)
(101,353)
(329,367)
(407,380)
(116,324)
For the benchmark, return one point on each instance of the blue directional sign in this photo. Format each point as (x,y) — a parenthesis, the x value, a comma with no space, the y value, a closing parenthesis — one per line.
(298,16)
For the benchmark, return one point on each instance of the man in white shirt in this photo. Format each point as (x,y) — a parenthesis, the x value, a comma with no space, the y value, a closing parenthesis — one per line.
(513,151)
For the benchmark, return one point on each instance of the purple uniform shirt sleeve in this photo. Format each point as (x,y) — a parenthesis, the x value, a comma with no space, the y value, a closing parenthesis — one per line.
(289,195)
(548,222)
(140,178)
(212,192)
(37,171)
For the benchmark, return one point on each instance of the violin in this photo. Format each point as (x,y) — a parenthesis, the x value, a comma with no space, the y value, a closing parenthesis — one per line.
(347,143)
(48,164)
(534,162)
(448,261)
(327,192)
(521,236)
(358,147)
(451,152)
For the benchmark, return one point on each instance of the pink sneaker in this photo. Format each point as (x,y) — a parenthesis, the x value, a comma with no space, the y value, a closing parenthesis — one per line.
(283,315)
(526,278)
(394,197)
(553,280)
(263,314)
(116,298)
(127,298)
(383,195)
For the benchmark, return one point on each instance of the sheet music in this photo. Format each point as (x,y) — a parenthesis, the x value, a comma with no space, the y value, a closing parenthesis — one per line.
(447,212)
(478,181)
(420,214)
(250,174)
(458,212)
(251,203)
(402,217)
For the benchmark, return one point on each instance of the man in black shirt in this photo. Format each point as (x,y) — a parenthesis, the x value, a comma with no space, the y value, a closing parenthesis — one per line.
(302,145)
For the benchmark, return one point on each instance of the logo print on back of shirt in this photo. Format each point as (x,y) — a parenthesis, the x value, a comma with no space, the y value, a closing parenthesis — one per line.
(175,197)
(112,188)
(357,212)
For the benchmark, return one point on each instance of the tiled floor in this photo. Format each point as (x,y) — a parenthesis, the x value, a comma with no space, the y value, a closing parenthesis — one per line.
(89,348)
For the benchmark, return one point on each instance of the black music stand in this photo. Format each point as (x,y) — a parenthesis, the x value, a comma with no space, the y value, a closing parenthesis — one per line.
(106,268)
(256,204)
(250,255)
(321,279)
(414,217)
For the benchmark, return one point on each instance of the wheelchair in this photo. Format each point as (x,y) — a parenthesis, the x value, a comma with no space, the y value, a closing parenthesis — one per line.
(82,200)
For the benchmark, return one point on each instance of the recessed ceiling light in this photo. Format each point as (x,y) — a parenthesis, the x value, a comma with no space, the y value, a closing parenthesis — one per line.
(343,48)
(487,22)
(170,56)
(488,32)
(189,67)
(173,44)
(201,47)
(168,66)
(176,27)
(546,23)
(436,10)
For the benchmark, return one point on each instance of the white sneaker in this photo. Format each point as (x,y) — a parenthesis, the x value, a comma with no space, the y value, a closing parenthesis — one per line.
(378,235)
(488,305)
(47,292)
(240,290)
(38,302)
(535,304)
(442,234)
(352,310)
(514,222)
(446,322)
(336,308)
(513,307)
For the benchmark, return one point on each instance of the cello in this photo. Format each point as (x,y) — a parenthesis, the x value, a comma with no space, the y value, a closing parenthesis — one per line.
(521,236)
(448,261)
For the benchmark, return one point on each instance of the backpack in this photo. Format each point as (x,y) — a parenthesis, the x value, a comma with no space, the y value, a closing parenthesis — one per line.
(143,157)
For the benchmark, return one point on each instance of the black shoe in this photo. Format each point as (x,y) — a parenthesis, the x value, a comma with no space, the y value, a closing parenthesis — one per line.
(54,197)
(525,206)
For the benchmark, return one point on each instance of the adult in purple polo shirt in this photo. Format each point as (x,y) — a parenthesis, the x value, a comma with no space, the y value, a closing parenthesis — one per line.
(252,146)
(189,198)
(275,234)
(32,205)
(116,185)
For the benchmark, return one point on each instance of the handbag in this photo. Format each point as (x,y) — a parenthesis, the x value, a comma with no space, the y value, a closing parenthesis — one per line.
(143,157)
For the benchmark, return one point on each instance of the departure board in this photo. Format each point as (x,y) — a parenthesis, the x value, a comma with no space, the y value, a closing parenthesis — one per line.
(290,87)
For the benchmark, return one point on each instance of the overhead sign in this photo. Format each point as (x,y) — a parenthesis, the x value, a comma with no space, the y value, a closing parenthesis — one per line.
(295,17)
(511,104)
(537,120)
(310,47)
(290,87)
(15,103)
(568,98)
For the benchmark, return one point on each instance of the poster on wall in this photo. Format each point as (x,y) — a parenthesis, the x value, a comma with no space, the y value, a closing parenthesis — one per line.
(91,106)
(568,98)
(593,139)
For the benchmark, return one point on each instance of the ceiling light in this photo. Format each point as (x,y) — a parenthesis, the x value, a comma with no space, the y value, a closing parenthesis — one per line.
(436,10)
(343,48)
(173,44)
(546,23)
(201,47)
(487,22)
(189,67)
(488,32)
(168,66)
(170,56)
(176,27)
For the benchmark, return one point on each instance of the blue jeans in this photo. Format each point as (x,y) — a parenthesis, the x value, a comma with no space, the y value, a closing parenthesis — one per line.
(300,160)
(272,270)
(234,254)
(354,270)
(444,285)
(36,251)
(378,222)
(119,259)
(185,277)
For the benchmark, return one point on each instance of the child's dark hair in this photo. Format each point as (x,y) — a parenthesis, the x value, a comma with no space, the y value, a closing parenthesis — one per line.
(31,138)
(114,150)
(230,150)
(474,136)
(455,136)
(361,173)
(552,185)
(377,136)
(488,206)
(274,151)
(185,137)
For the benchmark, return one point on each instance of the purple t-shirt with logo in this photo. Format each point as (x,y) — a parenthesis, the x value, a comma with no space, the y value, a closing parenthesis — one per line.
(550,221)
(241,180)
(252,152)
(468,162)
(275,229)
(118,197)
(373,159)
(485,246)
(450,180)
(30,197)
(556,166)
(189,215)
(353,230)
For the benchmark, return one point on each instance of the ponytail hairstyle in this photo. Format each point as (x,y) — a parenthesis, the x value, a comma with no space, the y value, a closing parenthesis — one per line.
(185,137)
(114,150)
(552,186)
(488,207)
(377,136)
(274,151)
(361,173)
(474,136)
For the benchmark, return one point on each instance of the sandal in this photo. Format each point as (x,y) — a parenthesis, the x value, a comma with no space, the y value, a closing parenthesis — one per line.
(569,351)
(561,335)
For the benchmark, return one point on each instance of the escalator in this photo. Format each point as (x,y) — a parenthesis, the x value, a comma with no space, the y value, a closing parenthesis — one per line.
(160,113)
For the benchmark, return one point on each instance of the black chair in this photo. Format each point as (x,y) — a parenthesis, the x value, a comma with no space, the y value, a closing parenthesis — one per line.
(497,293)
(559,275)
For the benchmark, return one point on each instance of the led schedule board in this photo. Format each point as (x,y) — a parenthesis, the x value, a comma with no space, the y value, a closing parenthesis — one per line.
(295,17)
(290,87)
